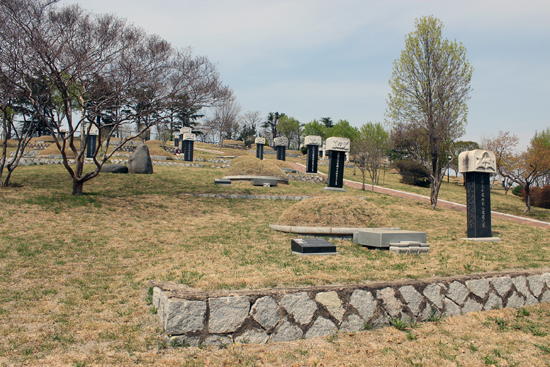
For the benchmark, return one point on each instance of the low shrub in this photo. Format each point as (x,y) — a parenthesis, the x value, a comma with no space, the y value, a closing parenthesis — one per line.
(412,173)
(518,190)
(540,196)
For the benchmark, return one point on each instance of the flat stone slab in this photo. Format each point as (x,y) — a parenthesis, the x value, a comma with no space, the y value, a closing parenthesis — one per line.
(312,246)
(289,170)
(335,189)
(384,238)
(114,168)
(280,180)
(266,182)
(221,181)
(159,157)
(482,239)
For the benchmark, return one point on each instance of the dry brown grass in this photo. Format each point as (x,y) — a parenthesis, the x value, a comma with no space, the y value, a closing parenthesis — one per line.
(74,273)
(248,165)
(332,211)
(281,164)
(53,150)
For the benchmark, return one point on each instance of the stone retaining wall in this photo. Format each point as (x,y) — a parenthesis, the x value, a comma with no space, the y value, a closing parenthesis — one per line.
(275,315)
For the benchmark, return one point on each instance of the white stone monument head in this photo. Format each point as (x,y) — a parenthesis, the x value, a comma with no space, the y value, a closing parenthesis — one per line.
(280,141)
(313,140)
(477,161)
(93,130)
(339,144)
(259,141)
(189,136)
(186,130)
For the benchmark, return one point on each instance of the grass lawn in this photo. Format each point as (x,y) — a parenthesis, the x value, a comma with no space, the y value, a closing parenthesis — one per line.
(74,272)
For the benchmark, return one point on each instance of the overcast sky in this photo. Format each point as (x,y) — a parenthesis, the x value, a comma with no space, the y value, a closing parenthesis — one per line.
(325,58)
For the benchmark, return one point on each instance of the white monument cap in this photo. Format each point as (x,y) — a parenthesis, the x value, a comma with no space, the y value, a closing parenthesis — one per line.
(313,140)
(477,161)
(189,136)
(259,141)
(93,130)
(280,141)
(186,130)
(340,144)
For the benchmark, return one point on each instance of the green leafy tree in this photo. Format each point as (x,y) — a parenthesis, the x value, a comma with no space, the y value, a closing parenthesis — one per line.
(343,129)
(290,127)
(271,123)
(369,149)
(327,121)
(427,108)
(315,128)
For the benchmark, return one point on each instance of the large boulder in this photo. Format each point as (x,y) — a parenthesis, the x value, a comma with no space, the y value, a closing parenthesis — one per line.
(114,168)
(140,161)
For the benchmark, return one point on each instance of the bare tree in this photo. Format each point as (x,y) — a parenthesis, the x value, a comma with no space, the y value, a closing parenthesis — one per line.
(224,119)
(98,63)
(504,148)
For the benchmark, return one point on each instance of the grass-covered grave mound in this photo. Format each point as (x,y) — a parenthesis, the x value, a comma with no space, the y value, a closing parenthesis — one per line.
(334,211)
(252,166)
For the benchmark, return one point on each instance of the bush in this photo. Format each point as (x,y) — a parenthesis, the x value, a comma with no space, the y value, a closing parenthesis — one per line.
(412,173)
(304,149)
(540,196)
(518,190)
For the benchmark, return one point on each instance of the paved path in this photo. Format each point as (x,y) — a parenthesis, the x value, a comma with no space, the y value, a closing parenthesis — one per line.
(426,199)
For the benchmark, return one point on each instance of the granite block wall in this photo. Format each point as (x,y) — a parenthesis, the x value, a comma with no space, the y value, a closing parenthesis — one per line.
(287,314)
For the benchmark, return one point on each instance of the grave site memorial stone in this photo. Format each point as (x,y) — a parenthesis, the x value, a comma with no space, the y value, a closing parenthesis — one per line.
(91,139)
(260,142)
(280,145)
(187,146)
(140,161)
(477,167)
(176,142)
(337,148)
(312,246)
(312,142)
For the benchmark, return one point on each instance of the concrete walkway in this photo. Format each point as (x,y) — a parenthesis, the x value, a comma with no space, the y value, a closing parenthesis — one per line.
(426,199)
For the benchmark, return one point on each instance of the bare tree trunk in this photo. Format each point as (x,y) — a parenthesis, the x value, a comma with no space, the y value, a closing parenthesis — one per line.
(527,190)
(78,187)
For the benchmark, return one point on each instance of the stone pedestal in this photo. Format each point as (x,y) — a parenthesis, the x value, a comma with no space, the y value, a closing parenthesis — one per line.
(280,145)
(260,142)
(187,146)
(337,148)
(312,142)
(477,166)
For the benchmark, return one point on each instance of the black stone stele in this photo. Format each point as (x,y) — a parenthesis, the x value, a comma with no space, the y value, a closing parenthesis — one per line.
(336,164)
(312,246)
(478,204)
(188,150)
(281,152)
(260,151)
(176,143)
(312,158)
(90,145)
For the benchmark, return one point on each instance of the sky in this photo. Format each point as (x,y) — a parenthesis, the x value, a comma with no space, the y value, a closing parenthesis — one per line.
(328,58)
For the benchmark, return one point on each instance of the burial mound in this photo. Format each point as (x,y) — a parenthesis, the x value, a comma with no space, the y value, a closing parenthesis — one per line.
(334,211)
(252,166)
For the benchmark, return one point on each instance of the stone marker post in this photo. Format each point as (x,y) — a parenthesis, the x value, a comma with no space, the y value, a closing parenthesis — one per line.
(260,142)
(280,145)
(312,142)
(337,148)
(187,146)
(91,139)
(324,150)
(477,166)
(176,142)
